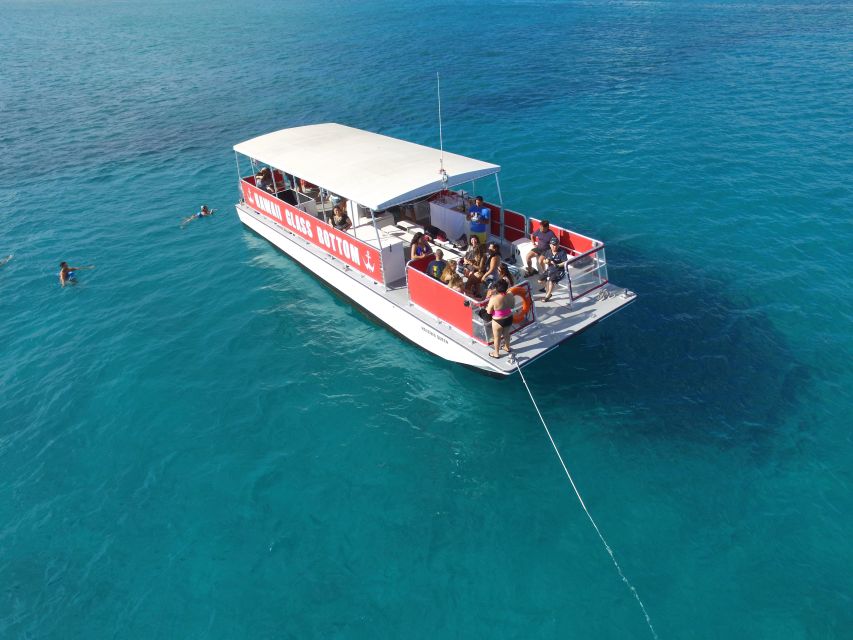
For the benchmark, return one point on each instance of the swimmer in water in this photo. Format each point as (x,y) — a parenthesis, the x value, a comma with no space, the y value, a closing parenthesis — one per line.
(202,213)
(68,275)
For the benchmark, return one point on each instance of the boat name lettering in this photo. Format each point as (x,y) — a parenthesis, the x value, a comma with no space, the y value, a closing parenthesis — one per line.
(435,335)
(324,237)
(299,223)
(339,245)
(269,206)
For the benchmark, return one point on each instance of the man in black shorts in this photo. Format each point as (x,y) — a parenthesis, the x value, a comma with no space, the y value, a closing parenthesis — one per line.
(555,260)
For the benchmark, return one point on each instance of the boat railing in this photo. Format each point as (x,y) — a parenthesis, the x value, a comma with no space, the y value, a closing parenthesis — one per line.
(435,297)
(586,272)
(294,197)
(509,228)
(514,225)
(457,309)
(343,246)
(586,269)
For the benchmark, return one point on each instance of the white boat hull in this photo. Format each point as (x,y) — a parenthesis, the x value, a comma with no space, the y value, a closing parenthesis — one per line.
(365,293)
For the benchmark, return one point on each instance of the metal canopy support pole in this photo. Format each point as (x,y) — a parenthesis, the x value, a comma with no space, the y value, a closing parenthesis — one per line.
(272,174)
(379,245)
(239,177)
(501,202)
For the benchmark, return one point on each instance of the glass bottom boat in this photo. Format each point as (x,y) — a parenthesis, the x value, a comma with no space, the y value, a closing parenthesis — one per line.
(388,192)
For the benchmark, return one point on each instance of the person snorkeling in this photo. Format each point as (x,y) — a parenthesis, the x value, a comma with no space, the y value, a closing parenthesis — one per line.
(68,275)
(203,212)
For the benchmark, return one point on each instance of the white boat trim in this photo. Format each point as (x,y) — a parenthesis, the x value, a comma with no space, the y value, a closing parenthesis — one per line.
(366,293)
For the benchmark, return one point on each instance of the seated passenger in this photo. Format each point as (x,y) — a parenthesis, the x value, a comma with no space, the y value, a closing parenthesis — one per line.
(437,266)
(449,271)
(340,220)
(456,283)
(472,287)
(264,182)
(541,239)
(474,257)
(555,261)
(487,270)
(503,274)
(419,247)
(493,261)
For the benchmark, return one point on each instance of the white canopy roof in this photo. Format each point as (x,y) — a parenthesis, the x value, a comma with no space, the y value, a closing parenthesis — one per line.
(371,169)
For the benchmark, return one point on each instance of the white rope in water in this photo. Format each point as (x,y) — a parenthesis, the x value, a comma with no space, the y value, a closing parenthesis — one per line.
(588,515)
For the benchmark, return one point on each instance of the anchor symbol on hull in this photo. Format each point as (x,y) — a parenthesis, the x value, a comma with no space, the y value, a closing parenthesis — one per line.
(369,264)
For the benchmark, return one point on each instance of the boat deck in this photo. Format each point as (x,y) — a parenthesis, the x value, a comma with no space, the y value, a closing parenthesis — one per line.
(556,320)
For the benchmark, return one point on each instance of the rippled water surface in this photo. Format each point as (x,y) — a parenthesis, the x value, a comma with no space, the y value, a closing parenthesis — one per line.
(199,440)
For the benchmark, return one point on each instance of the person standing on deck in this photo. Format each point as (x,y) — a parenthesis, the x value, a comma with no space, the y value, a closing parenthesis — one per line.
(478,219)
(500,307)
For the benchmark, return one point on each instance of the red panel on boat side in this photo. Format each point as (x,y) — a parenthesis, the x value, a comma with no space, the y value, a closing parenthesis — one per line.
(513,225)
(568,239)
(343,246)
(437,298)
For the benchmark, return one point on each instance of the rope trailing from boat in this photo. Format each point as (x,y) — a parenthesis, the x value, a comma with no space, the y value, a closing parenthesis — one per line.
(583,504)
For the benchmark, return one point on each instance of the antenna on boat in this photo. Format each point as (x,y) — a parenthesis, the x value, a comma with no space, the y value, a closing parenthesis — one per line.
(440,135)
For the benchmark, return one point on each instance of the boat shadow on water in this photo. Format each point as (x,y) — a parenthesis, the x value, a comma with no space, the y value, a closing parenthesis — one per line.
(687,357)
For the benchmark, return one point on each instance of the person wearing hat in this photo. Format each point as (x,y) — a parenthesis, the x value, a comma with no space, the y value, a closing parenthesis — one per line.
(555,267)
(541,239)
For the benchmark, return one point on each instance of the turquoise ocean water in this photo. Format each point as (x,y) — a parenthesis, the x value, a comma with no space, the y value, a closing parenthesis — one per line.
(201,441)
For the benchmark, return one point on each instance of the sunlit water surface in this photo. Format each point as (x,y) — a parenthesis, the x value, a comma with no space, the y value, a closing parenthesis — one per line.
(199,440)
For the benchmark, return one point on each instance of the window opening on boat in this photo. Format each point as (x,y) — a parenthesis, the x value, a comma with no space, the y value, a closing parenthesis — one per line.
(378,244)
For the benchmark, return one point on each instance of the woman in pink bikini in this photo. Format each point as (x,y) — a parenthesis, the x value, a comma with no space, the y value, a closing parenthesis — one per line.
(500,307)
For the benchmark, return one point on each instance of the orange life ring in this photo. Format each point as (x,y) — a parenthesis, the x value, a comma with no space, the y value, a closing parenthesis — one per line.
(526,303)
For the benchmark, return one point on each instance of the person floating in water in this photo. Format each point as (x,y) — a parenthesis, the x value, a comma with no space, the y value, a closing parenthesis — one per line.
(202,213)
(68,275)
